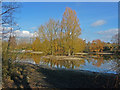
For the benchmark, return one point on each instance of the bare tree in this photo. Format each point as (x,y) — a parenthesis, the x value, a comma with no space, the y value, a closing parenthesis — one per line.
(116,39)
(8,22)
(8,11)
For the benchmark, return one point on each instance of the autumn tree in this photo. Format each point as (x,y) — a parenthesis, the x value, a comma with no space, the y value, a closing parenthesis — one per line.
(36,45)
(79,45)
(42,32)
(52,30)
(97,46)
(46,47)
(12,41)
(87,48)
(49,32)
(62,37)
(71,28)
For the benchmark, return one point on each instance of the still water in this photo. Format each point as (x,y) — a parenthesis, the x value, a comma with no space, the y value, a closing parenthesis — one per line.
(94,63)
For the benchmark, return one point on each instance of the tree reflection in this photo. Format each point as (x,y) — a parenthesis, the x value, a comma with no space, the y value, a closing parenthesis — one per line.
(98,60)
(58,63)
(95,60)
(36,58)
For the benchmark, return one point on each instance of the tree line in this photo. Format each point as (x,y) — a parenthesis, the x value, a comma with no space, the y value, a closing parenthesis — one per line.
(62,38)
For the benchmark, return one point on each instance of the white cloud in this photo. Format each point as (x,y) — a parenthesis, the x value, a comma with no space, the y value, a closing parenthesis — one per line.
(19,33)
(108,34)
(5,28)
(25,32)
(98,23)
(5,24)
(33,28)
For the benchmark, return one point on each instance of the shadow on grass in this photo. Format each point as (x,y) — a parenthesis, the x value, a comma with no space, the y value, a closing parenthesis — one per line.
(60,78)
(77,79)
(21,82)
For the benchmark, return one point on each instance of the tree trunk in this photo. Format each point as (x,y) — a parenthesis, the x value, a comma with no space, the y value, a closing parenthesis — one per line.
(69,52)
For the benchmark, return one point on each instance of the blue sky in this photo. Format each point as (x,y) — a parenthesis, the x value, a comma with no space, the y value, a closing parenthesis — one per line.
(97,20)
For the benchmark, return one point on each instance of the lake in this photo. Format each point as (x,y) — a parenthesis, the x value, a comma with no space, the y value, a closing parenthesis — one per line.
(94,63)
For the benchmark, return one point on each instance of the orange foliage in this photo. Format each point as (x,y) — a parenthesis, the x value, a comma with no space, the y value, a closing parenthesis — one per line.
(97,46)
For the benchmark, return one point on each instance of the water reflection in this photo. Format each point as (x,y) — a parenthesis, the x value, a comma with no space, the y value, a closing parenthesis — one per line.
(63,63)
(97,63)
(36,58)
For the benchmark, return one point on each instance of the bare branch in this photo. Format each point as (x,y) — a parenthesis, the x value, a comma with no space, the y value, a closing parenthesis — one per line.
(7,11)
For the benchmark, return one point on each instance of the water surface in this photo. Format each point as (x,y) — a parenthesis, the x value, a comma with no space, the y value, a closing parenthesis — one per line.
(94,63)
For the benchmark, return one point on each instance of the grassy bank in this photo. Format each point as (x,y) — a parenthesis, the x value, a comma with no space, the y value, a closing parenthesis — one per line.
(30,76)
